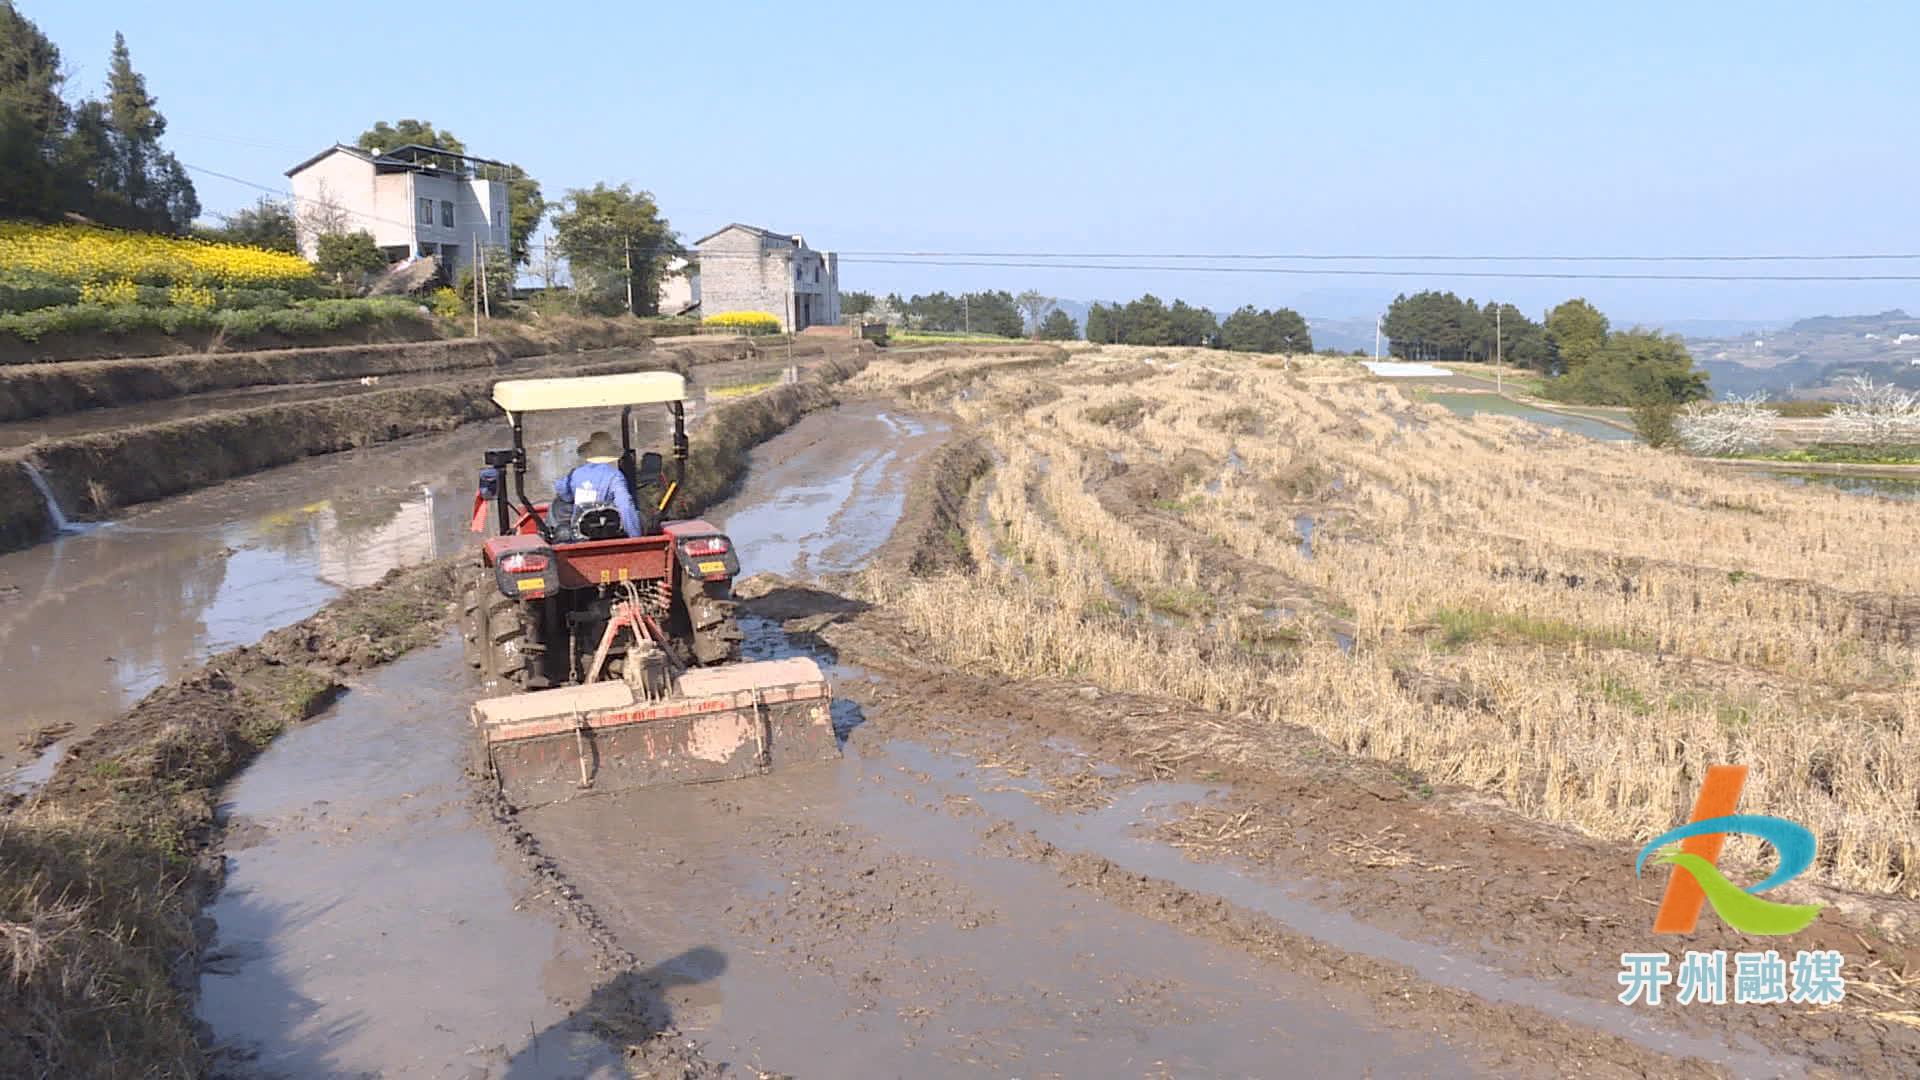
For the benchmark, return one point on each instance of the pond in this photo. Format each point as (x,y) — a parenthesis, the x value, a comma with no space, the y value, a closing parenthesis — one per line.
(1888,487)
(1468,404)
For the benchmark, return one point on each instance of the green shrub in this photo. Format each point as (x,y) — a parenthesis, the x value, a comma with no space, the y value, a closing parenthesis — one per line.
(23,291)
(1657,422)
(304,318)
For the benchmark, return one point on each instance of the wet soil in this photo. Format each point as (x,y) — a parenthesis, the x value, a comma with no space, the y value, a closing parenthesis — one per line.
(353,854)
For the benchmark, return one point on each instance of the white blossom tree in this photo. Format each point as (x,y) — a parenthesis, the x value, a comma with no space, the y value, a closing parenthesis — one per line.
(1738,425)
(1875,414)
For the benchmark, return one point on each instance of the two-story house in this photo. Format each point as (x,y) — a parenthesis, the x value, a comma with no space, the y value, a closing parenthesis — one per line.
(746,268)
(416,201)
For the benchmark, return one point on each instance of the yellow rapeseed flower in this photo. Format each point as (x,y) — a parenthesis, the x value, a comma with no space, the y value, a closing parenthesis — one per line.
(743,320)
(87,254)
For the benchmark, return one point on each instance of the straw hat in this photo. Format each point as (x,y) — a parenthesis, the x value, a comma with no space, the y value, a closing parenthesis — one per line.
(600,447)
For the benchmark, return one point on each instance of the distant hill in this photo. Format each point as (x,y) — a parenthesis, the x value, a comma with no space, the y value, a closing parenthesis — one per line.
(1805,357)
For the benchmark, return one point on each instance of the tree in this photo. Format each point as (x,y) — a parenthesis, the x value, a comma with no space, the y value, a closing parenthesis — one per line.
(1146,321)
(1577,331)
(349,257)
(1058,326)
(268,223)
(525,209)
(1633,367)
(1877,414)
(1435,326)
(1739,425)
(1252,330)
(856,303)
(1191,325)
(1523,342)
(158,194)
(33,116)
(617,245)
(383,137)
(1034,308)
(1102,325)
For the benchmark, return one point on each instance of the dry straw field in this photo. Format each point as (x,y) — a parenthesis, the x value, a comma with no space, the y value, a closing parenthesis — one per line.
(1578,628)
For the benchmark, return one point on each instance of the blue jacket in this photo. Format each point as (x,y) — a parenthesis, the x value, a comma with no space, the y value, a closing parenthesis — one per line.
(598,483)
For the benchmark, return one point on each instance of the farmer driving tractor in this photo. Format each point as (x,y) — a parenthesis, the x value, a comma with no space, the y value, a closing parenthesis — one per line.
(596,482)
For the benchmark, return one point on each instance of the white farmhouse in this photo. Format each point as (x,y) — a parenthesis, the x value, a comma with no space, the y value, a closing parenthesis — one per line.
(746,268)
(416,201)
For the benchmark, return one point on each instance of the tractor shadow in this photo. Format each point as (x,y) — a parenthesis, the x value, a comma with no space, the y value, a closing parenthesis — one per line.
(781,618)
(623,1017)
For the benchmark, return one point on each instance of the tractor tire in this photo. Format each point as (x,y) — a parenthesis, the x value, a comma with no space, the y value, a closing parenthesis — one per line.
(471,632)
(506,660)
(715,626)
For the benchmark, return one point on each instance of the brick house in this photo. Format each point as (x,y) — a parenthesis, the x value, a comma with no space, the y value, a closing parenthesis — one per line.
(416,201)
(745,268)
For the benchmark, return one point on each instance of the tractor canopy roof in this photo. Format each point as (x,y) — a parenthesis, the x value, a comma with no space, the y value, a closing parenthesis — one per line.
(589,391)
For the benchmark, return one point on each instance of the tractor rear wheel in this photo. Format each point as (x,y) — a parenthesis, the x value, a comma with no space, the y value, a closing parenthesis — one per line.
(472,634)
(503,638)
(712,623)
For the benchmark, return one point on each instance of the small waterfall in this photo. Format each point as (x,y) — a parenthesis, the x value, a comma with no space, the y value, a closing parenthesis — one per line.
(60,522)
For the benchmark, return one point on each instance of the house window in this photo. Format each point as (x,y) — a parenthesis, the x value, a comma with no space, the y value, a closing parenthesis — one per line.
(446,213)
(426,211)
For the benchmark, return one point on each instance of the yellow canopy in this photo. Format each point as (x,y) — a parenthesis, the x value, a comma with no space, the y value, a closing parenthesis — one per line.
(590,391)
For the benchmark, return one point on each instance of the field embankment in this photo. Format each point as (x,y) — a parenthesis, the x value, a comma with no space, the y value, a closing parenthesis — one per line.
(113,467)
(68,385)
(103,870)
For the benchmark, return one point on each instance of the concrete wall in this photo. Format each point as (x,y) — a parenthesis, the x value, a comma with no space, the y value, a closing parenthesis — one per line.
(348,183)
(751,272)
(739,273)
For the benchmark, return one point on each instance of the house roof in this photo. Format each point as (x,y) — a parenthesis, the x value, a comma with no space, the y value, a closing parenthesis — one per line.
(391,159)
(754,229)
(341,147)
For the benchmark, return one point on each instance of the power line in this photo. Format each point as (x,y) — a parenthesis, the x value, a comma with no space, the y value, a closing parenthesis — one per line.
(1315,271)
(1320,257)
(1048,260)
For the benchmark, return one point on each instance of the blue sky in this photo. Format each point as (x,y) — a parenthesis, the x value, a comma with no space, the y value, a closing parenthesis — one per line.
(1698,128)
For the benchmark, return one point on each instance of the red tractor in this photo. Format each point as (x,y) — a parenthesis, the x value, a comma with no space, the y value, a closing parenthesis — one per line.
(626,647)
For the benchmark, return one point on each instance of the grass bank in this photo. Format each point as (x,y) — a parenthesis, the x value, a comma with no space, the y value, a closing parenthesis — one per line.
(103,871)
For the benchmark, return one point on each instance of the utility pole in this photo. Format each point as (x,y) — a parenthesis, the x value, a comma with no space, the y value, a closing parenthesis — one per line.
(966,315)
(1499,357)
(1376,336)
(629,275)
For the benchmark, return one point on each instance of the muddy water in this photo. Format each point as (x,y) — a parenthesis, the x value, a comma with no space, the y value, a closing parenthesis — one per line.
(867,934)
(369,925)
(1900,488)
(823,495)
(91,621)
(1469,404)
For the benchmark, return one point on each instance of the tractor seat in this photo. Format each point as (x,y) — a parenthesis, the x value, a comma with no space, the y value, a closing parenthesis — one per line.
(598,521)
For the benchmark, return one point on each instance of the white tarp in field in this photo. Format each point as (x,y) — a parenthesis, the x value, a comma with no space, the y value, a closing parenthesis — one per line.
(1398,369)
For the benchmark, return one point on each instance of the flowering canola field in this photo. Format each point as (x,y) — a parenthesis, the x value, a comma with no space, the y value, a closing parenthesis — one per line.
(86,254)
